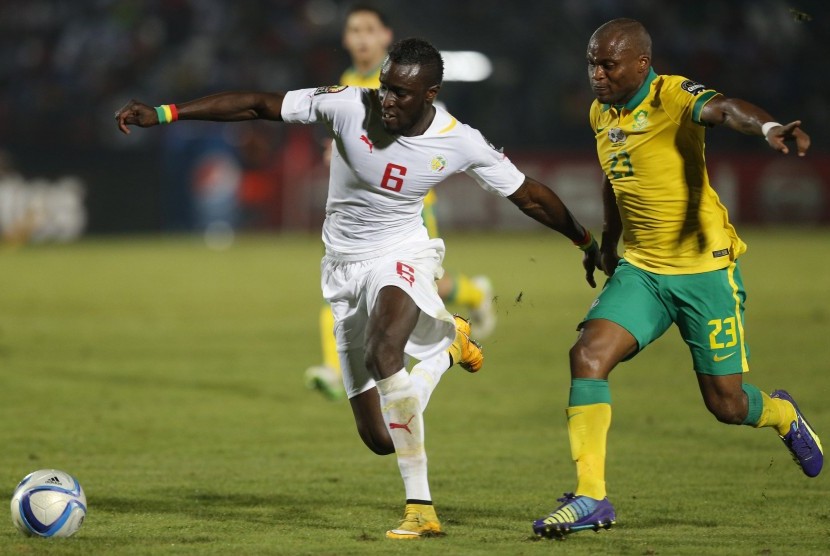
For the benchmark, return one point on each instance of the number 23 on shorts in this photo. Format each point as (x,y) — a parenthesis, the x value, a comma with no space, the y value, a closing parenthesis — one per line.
(729,329)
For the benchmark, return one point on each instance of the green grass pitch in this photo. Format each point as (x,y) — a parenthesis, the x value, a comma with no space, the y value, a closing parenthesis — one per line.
(168,379)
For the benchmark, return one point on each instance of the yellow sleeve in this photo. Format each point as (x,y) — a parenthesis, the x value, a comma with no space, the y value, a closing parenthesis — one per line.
(684,99)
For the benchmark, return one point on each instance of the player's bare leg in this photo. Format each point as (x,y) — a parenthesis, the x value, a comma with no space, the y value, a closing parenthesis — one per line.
(370,425)
(391,322)
(379,416)
(600,346)
(724,397)
(734,402)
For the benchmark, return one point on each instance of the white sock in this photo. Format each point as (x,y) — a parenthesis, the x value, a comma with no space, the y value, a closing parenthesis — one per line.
(404,419)
(426,374)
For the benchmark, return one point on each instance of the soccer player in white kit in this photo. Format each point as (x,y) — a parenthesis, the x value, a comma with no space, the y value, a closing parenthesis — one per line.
(392,145)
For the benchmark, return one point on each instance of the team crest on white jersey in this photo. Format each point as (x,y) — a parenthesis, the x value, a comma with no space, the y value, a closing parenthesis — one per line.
(616,135)
(329,89)
(438,163)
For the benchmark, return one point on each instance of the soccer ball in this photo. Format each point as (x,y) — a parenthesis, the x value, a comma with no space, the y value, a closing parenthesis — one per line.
(48,503)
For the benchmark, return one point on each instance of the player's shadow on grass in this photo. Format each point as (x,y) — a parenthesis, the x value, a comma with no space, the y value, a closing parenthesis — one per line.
(170,382)
(661,521)
(269,509)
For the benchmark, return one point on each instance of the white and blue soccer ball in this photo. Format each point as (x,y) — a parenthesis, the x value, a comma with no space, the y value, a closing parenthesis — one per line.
(48,503)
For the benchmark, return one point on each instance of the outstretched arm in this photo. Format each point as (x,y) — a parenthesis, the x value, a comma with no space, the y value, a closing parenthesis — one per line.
(750,119)
(221,107)
(539,202)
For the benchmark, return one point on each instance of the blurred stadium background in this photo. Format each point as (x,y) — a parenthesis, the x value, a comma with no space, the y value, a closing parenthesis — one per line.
(68,65)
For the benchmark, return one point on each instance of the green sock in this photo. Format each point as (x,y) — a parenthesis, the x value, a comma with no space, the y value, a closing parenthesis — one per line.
(587,391)
(755,402)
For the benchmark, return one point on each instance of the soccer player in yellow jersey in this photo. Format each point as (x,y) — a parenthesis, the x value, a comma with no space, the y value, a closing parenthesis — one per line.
(680,265)
(366,37)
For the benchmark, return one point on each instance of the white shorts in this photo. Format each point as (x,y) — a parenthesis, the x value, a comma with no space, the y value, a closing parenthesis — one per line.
(352,287)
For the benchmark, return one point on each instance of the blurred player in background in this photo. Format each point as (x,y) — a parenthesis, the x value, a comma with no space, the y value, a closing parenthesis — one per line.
(392,145)
(366,37)
(680,263)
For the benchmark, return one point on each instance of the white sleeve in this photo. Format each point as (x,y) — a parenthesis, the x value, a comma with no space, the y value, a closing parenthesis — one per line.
(492,169)
(306,106)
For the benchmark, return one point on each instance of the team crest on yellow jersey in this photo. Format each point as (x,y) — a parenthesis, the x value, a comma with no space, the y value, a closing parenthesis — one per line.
(640,120)
(616,135)
(438,163)
(692,87)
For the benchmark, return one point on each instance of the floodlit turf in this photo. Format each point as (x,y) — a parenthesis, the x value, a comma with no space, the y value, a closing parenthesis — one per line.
(168,379)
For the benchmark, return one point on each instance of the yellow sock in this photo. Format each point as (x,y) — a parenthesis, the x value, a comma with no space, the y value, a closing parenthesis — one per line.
(328,343)
(465,292)
(588,430)
(776,413)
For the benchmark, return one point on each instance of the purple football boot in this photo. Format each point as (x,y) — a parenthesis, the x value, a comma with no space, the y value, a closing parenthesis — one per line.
(801,441)
(576,513)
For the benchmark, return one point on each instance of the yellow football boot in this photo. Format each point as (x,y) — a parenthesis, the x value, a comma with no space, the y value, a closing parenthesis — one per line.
(419,521)
(465,351)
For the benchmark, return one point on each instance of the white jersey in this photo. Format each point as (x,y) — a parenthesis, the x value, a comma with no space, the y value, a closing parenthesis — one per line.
(378,180)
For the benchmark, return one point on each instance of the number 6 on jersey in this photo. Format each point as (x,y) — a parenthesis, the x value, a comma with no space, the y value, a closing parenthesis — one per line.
(393,182)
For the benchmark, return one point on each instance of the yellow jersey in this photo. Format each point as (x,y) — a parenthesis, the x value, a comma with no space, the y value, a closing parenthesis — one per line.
(651,149)
(353,78)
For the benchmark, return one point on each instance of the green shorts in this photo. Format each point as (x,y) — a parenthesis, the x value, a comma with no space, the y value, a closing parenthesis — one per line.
(708,308)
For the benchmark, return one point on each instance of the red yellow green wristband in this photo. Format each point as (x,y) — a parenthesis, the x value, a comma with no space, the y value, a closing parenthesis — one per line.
(167,113)
(587,242)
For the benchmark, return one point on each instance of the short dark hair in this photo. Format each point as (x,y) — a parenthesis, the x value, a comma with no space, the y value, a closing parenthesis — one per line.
(628,30)
(414,51)
(357,8)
